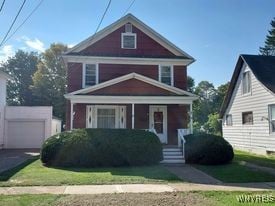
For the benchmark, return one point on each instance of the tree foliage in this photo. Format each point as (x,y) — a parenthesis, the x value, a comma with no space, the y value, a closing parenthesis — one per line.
(21,67)
(49,81)
(269,47)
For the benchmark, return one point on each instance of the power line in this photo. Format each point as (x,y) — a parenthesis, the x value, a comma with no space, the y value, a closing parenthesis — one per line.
(129,7)
(103,15)
(19,11)
(2,5)
(26,19)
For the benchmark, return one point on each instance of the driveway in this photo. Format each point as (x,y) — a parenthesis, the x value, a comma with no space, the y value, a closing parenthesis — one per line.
(10,158)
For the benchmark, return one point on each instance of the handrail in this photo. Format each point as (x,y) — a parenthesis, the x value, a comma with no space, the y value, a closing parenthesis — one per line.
(181,140)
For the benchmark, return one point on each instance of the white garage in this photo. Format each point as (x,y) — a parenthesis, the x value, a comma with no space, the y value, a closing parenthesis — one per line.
(27,127)
(25,134)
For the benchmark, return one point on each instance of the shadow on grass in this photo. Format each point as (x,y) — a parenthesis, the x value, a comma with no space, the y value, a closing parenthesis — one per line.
(6,175)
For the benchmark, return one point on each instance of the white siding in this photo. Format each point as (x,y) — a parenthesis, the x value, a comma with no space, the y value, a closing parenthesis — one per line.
(256,136)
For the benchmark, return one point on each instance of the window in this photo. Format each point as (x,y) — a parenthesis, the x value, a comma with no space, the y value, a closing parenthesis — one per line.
(128,28)
(106,118)
(228,120)
(246,82)
(90,75)
(247,117)
(272,118)
(128,41)
(166,75)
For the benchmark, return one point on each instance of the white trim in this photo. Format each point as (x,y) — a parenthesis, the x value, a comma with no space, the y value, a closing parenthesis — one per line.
(89,99)
(171,74)
(84,73)
(133,116)
(72,116)
(126,60)
(163,137)
(129,34)
(132,76)
(129,18)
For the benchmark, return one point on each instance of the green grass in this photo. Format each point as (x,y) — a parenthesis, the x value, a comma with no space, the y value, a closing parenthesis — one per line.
(236,172)
(33,172)
(266,161)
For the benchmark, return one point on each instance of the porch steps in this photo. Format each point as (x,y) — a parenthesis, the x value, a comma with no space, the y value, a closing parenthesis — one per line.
(172,155)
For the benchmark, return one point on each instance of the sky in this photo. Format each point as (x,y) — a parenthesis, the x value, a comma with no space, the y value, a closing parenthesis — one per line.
(214,32)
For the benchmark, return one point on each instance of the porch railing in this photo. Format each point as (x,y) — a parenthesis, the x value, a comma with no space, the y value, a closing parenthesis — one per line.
(181,140)
(151,130)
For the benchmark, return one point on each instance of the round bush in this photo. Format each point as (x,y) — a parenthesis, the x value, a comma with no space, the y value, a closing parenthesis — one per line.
(207,149)
(101,147)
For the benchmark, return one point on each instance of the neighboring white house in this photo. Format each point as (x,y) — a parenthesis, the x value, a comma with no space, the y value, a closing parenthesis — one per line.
(248,111)
(24,127)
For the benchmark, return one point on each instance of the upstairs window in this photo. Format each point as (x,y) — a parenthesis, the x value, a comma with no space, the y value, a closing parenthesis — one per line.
(90,75)
(166,74)
(272,118)
(246,82)
(247,118)
(128,41)
(228,120)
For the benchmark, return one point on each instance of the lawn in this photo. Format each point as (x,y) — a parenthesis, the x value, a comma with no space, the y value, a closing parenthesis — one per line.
(266,161)
(161,199)
(236,172)
(33,172)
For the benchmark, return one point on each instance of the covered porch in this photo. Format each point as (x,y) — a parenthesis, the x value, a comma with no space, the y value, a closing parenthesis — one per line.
(170,117)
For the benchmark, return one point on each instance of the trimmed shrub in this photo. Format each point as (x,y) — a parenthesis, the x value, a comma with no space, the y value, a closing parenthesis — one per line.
(207,149)
(102,147)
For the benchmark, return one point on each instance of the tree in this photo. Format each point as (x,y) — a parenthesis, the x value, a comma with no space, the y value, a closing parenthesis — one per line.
(49,81)
(213,124)
(269,47)
(21,68)
(190,84)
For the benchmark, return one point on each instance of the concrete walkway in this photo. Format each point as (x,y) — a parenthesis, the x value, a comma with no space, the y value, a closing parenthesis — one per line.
(190,174)
(134,188)
(258,167)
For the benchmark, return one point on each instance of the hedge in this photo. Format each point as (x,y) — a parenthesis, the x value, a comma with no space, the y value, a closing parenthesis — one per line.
(102,147)
(207,149)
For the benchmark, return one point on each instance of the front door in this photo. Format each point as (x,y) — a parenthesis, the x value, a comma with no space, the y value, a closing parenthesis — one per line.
(158,121)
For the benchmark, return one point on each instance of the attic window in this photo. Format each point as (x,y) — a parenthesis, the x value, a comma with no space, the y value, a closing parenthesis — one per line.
(128,28)
(246,82)
(128,41)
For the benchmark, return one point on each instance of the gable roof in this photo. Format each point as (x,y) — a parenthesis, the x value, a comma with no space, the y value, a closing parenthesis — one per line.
(129,18)
(263,67)
(132,76)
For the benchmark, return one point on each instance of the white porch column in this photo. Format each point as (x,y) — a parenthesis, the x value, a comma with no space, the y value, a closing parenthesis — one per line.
(133,116)
(191,118)
(72,115)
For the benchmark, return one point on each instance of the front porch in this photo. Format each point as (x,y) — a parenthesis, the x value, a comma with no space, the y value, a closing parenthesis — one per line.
(166,120)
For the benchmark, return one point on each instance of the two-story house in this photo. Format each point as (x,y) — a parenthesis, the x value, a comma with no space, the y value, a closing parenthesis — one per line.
(248,111)
(129,76)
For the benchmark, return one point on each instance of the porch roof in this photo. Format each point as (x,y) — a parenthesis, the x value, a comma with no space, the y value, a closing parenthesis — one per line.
(100,99)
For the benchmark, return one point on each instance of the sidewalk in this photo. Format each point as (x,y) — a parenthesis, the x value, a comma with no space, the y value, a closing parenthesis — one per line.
(134,188)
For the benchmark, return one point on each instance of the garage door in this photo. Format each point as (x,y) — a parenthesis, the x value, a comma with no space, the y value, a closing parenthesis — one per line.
(25,134)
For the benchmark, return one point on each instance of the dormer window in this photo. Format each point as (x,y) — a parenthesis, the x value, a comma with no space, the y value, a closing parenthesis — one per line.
(166,75)
(90,75)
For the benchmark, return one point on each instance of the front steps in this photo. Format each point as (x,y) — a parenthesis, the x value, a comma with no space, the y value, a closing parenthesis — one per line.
(172,155)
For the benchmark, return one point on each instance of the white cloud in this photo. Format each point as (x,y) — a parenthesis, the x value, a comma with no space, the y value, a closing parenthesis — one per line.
(34,44)
(6,52)
(71,45)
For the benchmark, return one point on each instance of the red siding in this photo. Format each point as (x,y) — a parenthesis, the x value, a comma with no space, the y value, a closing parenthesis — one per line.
(111,46)
(180,77)
(111,71)
(74,77)
(131,87)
